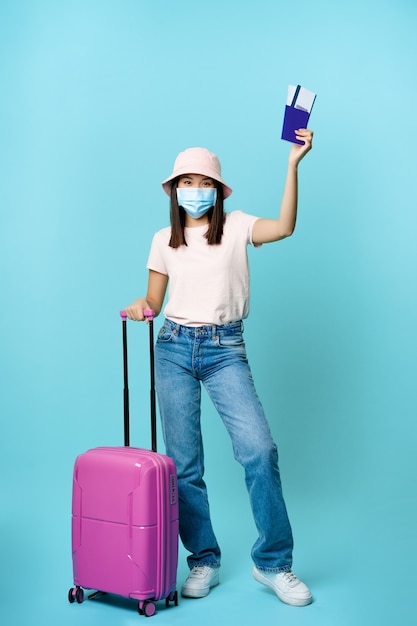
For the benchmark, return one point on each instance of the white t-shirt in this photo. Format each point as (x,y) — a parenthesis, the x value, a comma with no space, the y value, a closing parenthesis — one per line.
(208,284)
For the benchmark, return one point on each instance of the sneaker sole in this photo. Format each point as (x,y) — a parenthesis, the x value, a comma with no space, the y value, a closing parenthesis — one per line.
(283,597)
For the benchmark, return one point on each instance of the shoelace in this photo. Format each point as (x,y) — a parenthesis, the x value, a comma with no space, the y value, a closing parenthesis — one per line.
(198,571)
(290,578)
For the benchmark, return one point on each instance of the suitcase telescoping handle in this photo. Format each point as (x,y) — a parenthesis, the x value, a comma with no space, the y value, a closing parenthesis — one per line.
(149,314)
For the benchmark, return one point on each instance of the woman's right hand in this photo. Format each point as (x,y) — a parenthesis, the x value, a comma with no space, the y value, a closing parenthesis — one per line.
(135,310)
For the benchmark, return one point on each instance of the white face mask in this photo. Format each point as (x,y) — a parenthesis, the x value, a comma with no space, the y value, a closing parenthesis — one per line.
(195,201)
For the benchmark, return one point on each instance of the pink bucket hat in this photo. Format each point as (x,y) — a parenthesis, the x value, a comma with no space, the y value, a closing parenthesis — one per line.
(197,161)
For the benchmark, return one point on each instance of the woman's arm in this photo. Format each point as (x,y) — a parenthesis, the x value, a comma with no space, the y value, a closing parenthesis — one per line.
(157,286)
(268,230)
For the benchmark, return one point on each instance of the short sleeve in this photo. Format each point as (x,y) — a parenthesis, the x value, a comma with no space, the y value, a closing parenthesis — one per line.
(246,222)
(156,258)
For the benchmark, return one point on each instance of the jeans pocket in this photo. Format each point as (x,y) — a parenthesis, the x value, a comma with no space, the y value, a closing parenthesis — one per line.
(234,340)
(165,334)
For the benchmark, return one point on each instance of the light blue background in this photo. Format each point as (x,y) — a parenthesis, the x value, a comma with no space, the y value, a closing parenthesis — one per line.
(97,98)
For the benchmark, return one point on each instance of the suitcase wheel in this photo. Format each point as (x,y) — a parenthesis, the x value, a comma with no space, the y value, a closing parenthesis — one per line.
(146,608)
(173,597)
(76,595)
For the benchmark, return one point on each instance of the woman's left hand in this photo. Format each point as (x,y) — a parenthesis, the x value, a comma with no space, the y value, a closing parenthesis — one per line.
(299,151)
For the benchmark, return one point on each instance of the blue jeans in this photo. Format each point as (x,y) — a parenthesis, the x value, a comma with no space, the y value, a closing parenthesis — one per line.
(185,357)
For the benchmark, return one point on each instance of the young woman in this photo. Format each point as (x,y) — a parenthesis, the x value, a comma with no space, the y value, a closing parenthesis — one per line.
(202,260)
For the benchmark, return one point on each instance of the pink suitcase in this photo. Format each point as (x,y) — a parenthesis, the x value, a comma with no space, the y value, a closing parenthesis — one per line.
(125,517)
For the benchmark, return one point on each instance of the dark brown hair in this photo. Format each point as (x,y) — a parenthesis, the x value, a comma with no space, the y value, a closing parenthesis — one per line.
(215,215)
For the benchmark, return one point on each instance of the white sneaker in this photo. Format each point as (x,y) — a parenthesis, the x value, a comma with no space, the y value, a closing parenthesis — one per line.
(286,585)
(199,582)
